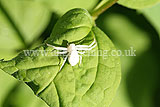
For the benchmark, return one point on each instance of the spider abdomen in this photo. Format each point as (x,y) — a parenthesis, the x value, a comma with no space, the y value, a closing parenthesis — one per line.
(73,58)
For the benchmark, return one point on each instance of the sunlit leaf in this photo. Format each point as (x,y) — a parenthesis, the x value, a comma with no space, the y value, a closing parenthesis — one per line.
(92,83)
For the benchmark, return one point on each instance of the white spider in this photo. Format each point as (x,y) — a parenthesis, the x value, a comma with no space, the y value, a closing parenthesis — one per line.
(72,52)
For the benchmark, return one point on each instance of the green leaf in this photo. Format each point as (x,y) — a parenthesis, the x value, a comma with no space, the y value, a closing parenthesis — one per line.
(93,83)
(138,4)
(108,74)
(19,18)
(152,14)
(8,38)
(19,95)
(73,26)
(5,88)
(30,17)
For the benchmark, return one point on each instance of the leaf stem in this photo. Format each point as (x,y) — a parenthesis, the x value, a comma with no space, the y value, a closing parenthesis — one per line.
(101,7)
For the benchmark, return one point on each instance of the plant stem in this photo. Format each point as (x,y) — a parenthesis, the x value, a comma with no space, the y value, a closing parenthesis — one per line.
(100,9)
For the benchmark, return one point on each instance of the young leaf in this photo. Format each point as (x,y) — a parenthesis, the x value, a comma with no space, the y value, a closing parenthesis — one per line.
(138,4)
(92,83)
(72,26)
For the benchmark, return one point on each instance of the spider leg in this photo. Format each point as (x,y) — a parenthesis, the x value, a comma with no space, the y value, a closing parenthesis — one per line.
(80,59)
(64,52)
(65,59)
(87,49)
(81,52)
(57,48)
(86,46)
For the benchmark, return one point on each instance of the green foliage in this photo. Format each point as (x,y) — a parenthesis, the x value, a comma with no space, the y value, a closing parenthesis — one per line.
(138,4)
(72,26)
(152,14)
(21,22)
(139,85)
(25,24)
(62,6)
(93,83)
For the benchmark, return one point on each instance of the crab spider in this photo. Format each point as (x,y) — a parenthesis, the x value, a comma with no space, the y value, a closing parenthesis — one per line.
(72,51)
